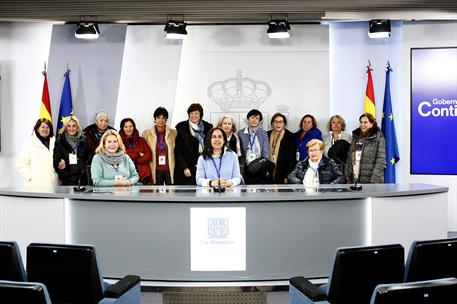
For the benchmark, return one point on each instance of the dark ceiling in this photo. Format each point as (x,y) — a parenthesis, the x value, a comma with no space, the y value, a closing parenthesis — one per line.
(210,11)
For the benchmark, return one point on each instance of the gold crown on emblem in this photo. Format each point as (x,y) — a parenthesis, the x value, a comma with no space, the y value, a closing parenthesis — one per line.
(239,93)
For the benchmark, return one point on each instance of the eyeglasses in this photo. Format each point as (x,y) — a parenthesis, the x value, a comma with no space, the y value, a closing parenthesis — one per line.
(313,150)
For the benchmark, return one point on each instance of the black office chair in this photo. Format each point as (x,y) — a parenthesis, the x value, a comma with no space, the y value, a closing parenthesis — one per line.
(11,266)
(23,292)
(440,291)
(432,259)
(71,274)
(356,272)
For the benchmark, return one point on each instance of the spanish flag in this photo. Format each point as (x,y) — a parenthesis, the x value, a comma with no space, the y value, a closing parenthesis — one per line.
(370,106)
(45,110)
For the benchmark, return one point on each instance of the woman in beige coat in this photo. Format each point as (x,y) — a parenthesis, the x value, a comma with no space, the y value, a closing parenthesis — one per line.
(161,141)
(35,162)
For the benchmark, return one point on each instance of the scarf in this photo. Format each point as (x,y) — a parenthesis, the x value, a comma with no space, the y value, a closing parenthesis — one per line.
(112,158)
(73,140)
(44,141)
(275,142)
(197,131)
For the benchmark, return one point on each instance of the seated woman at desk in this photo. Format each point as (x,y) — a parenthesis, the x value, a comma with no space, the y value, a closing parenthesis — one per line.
(217,166)
(316,167)
(111,166)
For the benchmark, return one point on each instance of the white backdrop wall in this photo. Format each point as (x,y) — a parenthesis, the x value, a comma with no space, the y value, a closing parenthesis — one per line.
(95,70)
(289,76)
(149,73)
(24,47)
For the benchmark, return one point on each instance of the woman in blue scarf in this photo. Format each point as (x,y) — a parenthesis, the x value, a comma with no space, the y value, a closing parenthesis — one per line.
(190,142)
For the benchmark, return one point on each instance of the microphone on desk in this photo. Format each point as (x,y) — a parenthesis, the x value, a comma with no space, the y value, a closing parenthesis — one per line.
(218,188)
(356,186)
(80,188)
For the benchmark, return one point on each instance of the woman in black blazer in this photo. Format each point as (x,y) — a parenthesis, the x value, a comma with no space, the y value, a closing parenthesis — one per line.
(71,154)
(282,148)
(190,141)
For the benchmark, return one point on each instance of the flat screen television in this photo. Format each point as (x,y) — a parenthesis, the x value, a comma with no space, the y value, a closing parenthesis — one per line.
(434,110)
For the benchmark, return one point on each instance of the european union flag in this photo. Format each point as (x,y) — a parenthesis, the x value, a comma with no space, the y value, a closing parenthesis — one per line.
(66,104)
(388,128)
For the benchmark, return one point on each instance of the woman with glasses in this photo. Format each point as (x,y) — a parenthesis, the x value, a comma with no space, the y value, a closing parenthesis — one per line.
(282,148)
(316,168)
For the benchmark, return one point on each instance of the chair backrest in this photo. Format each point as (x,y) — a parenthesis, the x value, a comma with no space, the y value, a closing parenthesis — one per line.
(70,272)
(433,259)
(358,270)
(23,292)
(11,266)
(440,291)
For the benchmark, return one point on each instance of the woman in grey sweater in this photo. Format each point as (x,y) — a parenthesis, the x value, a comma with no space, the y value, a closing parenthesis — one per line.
(367,154)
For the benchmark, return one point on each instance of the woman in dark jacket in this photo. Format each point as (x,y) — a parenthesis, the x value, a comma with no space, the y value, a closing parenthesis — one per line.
(71,154)
(190,141)
(95,131)
(282,148)
(137,149)
(307,131)
(316,167)
(367,153)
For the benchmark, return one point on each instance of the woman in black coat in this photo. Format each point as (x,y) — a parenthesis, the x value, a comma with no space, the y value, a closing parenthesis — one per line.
(282,148)
(190,141)
(71,154)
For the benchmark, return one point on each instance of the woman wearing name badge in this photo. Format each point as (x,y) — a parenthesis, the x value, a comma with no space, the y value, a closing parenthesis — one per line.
(308,130)
(282,148)
(227,124)
(34,162)
(71,154)
(316,168)
(111,166)
(95,131)
(337,142)
(190,142)
(367,154)
(137,149)
(218,166)
(254,142)
(161,139)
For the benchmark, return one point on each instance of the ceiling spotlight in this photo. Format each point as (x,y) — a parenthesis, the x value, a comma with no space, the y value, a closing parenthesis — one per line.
(379,28)
(278,29)
(175,30)
(87,30)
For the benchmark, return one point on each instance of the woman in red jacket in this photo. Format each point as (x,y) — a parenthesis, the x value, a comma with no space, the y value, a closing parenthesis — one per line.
(137,149)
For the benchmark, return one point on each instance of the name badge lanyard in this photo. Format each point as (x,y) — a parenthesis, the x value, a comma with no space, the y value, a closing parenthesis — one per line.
(218,170)
(252,142)
(161,143)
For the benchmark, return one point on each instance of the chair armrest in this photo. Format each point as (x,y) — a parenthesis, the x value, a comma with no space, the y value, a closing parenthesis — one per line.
(122,286)
(308,289)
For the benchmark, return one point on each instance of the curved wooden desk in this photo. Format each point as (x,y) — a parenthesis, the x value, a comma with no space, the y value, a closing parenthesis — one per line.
(288,232)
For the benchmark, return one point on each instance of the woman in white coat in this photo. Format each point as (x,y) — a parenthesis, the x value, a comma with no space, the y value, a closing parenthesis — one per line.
(35,162)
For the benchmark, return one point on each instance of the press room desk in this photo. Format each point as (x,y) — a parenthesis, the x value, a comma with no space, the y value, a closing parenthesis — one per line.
(146,230)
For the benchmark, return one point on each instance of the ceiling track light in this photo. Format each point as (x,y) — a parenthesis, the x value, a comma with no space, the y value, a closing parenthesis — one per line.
(175,30)
(87,30)
(379,28)
(278,29)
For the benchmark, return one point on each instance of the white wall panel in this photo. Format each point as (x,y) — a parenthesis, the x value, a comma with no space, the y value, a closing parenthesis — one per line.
(294,72)
(149,74)
(24,47)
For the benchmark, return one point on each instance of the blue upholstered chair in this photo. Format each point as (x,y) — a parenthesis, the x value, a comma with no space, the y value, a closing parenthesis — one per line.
(433,259)
(11,266)
(71,275)
(23,292)
(356,272)
(439,291)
